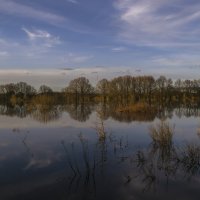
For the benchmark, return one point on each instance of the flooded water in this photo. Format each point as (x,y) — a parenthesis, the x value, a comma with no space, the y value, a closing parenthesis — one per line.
(58,153)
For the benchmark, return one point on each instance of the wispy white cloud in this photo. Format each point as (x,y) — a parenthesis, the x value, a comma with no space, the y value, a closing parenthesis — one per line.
(73,1)
(42,37)
(3,54)
(158,22)
(182,60)
(12,48)
(19,9)
(41,47)
(3,49)
(15,8)
(37,49)
(72,58)
(37,34)
(5,43)
(2,41)
(118,49)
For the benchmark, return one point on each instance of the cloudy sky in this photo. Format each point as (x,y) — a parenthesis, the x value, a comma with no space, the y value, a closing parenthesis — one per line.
(107,36)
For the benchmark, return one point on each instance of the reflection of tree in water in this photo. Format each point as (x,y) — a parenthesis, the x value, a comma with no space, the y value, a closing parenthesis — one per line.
(104,108)
(80,112)
(19,111)
(109,110)
(46,113)
(165,113)
(129,117)
(43,108)
(187,111)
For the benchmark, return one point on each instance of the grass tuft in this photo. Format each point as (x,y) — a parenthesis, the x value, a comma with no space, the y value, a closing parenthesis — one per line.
(162,134)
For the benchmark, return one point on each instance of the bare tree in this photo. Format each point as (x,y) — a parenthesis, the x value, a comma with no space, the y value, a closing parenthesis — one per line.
(45,89)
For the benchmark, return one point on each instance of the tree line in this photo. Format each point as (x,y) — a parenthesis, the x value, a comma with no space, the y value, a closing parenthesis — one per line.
(123,90)
(23,88)
(128,89)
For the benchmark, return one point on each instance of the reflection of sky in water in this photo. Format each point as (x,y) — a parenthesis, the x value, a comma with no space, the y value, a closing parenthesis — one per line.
(35,160)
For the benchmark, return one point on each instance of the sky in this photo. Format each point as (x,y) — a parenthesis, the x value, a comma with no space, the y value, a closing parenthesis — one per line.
(67,38)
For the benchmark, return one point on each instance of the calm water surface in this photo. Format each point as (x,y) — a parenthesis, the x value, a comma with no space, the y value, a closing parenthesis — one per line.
(57,154)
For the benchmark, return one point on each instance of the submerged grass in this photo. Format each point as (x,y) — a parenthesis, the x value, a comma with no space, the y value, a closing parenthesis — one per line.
(162,134)
(190,158)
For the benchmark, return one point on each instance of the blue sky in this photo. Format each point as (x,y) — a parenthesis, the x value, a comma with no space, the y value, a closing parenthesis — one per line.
(130,35)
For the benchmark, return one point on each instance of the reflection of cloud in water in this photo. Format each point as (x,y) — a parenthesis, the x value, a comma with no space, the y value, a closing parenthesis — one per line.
(38,163)
(121,170)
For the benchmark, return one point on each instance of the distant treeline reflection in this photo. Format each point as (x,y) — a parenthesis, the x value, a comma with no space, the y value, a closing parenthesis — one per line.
(81,112)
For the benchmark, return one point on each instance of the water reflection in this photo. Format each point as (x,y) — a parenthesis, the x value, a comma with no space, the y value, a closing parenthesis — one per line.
(79,112)
(83,165)
(19,111)
(47,112)
(160,159)
(163,159)
(152,168)
(92,165)
(190,160)
(187,111)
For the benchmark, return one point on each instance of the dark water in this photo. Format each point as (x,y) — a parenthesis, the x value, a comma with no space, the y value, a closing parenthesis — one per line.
(57,154)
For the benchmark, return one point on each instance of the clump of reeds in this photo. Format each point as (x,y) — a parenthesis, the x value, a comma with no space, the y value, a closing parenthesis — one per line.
(140,159)
(191,158)
(162,134)
(100,127)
